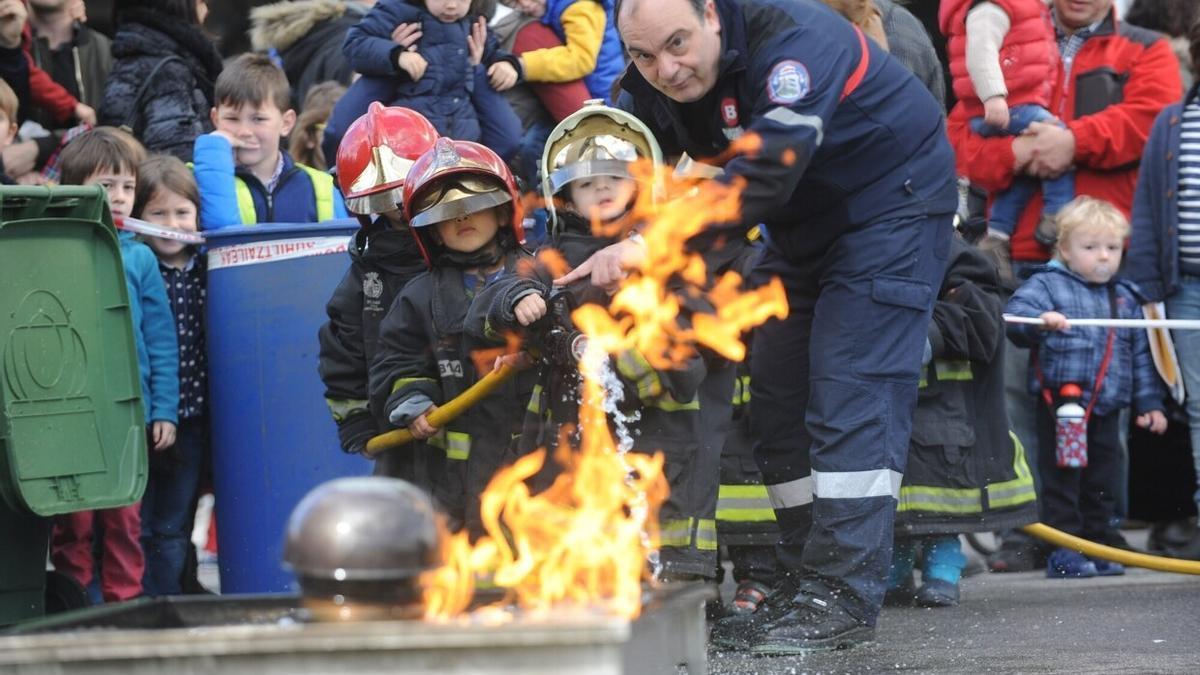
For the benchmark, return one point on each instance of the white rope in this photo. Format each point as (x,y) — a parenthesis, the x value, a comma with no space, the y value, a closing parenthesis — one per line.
(151,230)
(1176,324)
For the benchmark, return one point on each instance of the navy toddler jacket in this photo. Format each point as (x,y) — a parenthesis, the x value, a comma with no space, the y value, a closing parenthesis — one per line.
(444,93)
(1075,355)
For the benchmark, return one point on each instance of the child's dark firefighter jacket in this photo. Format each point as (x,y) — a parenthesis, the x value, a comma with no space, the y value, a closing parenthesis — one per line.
(966,469)
(382,261)
(425,354)
(666,402)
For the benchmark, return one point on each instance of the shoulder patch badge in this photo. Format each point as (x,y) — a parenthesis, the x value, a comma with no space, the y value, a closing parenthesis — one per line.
(789,82)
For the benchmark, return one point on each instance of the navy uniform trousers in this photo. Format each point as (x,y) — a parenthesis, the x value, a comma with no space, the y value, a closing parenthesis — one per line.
(834,387)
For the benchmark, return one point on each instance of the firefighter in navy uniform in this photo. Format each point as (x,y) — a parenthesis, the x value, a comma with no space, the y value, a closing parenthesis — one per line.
(465,213)
(372,164)
(854,180)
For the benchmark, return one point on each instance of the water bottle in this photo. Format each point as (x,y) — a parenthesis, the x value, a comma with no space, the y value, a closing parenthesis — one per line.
(1070,448)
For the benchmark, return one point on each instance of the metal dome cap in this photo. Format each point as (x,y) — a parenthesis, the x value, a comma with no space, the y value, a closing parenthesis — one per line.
(362,529)
(596,140)
(376,154)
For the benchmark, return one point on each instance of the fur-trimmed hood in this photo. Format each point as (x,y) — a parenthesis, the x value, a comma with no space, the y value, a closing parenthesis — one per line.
(281,24)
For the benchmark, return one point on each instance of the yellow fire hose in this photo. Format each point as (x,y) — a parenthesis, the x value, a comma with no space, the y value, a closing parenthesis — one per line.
(488,383)
(438,418)
(1130,558)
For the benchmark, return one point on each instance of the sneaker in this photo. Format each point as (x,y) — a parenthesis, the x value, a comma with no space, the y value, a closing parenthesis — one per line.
(1067,564)
(1017,554)
(1188,550)
(1169,535)
(811,623)
(1107,568)
(937,593)
(738,631)
(1046,232)
(749,596)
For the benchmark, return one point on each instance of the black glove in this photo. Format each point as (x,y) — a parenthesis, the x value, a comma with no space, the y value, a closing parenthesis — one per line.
(355,431)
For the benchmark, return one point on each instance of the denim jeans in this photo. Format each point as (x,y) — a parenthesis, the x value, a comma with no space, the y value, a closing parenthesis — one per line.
(1185,304)
(166,506)
(1009,204)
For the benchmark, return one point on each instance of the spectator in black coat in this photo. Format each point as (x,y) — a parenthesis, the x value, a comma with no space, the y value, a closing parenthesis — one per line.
(306,37)
(161,84)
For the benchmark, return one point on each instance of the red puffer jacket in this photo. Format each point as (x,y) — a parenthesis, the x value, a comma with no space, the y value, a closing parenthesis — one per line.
(1122,77)
(1028,56)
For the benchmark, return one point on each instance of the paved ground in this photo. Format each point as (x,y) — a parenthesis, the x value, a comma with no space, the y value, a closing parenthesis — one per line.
(1143,622)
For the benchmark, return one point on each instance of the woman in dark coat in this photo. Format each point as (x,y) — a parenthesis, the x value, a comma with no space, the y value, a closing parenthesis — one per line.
(161,84)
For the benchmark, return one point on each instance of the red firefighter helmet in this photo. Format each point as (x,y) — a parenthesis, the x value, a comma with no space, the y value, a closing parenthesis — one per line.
(458,178)
(376,155)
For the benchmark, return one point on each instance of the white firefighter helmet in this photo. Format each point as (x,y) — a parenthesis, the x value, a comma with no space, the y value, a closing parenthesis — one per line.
(595,140)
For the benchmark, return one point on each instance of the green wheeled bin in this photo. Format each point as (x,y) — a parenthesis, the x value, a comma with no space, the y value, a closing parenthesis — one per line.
(72,430)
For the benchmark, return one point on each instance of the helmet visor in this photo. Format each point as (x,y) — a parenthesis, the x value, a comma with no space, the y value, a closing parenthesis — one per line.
(455,198)
(599,167)
(603,155)
(376,202)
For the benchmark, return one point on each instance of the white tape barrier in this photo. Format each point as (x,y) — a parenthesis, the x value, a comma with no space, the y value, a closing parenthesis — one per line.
(151,230)
(1174,324)
(273,251)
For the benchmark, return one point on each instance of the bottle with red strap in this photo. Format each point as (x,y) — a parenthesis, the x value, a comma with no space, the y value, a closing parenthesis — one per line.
(1070,429)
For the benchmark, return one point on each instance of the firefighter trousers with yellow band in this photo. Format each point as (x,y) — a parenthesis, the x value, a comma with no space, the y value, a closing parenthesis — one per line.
(689,516)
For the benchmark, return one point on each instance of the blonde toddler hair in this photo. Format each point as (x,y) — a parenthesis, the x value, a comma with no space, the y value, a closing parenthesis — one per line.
(1087,213)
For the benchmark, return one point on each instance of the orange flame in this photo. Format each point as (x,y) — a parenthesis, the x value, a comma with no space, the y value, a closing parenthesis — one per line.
(584,541)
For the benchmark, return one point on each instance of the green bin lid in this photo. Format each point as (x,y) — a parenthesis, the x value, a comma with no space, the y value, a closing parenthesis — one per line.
(72,428)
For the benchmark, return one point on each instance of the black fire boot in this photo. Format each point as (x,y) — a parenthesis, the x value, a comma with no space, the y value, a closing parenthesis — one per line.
(737,632)
(813,623)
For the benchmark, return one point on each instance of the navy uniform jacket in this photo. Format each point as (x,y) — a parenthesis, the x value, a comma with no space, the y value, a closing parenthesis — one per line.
(829,163)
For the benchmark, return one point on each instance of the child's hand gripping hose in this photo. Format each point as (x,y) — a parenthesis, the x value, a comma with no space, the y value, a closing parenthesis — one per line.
(553,339)
(446,413)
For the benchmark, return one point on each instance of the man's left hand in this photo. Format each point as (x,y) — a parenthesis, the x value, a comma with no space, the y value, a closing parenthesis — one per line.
(607,266)
(1053,149)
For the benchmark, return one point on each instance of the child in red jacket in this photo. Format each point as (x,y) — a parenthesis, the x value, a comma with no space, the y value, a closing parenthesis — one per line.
(1004,62)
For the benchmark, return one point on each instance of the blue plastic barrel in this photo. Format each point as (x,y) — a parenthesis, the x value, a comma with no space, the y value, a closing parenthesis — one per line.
(272,437)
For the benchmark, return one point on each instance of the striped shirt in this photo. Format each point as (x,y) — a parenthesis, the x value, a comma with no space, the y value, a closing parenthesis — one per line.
(1189,190)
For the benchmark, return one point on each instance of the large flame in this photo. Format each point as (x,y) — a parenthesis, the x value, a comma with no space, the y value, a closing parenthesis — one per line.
(585,541)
